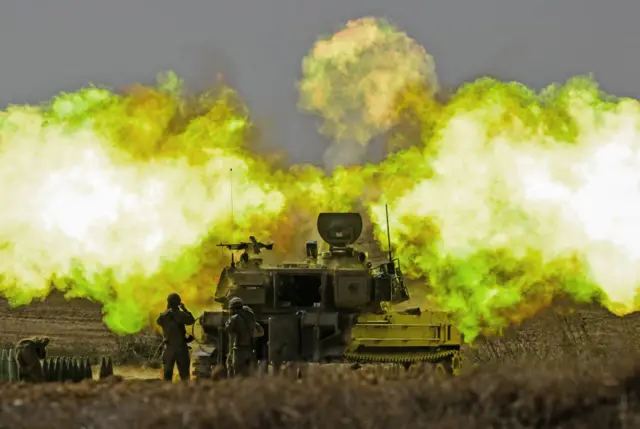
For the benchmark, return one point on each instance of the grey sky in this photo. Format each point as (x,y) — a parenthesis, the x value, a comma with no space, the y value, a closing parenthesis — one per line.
(51,45)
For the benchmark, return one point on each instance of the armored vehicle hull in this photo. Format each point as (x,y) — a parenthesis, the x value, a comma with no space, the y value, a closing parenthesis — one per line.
(406,338)
(331,308)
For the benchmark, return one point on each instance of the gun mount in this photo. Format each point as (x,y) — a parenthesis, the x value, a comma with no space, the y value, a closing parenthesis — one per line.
(333,306)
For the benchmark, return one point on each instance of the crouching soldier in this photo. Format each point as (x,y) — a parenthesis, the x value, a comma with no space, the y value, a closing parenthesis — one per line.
(29,353)
(173,322)
(242,328)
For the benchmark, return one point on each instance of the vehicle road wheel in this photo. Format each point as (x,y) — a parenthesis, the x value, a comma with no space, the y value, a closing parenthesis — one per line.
(443,368)
(456,363)
(440,370)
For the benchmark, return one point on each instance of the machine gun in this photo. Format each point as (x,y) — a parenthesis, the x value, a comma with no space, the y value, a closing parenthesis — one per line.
(254,245)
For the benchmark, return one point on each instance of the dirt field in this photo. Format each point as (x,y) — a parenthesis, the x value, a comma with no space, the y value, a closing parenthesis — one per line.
(74,326)
(568,397)
(508,387)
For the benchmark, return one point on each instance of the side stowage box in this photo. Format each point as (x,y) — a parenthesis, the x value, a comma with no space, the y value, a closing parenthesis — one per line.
(351,288)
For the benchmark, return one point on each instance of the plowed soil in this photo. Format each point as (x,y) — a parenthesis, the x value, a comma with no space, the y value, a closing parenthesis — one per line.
(75,326)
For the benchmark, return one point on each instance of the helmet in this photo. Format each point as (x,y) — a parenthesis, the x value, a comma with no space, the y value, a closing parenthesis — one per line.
(235,303)
(173,300)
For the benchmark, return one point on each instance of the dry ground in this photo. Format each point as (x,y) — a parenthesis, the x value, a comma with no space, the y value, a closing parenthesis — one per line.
(572,396)
(593,383)
(75,325)
(76,329)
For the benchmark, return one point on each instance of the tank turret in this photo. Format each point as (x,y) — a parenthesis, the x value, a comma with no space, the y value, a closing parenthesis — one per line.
(340,231)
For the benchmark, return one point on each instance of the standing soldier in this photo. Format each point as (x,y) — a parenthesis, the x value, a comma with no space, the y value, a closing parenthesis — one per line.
(29,352)
(176,349)
(242,328)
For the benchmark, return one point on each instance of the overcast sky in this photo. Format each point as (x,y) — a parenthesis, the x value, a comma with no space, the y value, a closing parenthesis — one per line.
(47,46)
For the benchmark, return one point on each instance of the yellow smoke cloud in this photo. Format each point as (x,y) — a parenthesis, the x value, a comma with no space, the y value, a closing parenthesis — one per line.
(519,197)
(110,197)
(353,78)
(501,198)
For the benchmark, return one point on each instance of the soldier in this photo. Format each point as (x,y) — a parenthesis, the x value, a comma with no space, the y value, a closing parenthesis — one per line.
(176,349)
(29,352)
(242,328)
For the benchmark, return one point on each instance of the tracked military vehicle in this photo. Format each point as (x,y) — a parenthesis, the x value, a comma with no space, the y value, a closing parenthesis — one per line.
(333,306)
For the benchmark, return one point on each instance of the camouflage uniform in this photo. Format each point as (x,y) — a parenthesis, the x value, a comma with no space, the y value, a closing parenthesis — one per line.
(241,328)
(176,350)
(29,352)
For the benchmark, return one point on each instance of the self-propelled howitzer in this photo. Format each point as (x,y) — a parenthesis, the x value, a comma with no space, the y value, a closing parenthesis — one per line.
(333,306)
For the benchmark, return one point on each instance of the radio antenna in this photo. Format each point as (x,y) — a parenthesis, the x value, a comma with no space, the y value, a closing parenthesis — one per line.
(386,208)
(233,227)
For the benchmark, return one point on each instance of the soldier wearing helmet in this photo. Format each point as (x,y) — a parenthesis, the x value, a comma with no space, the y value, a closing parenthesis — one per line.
(242,328)
(29,353)
(173,322)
